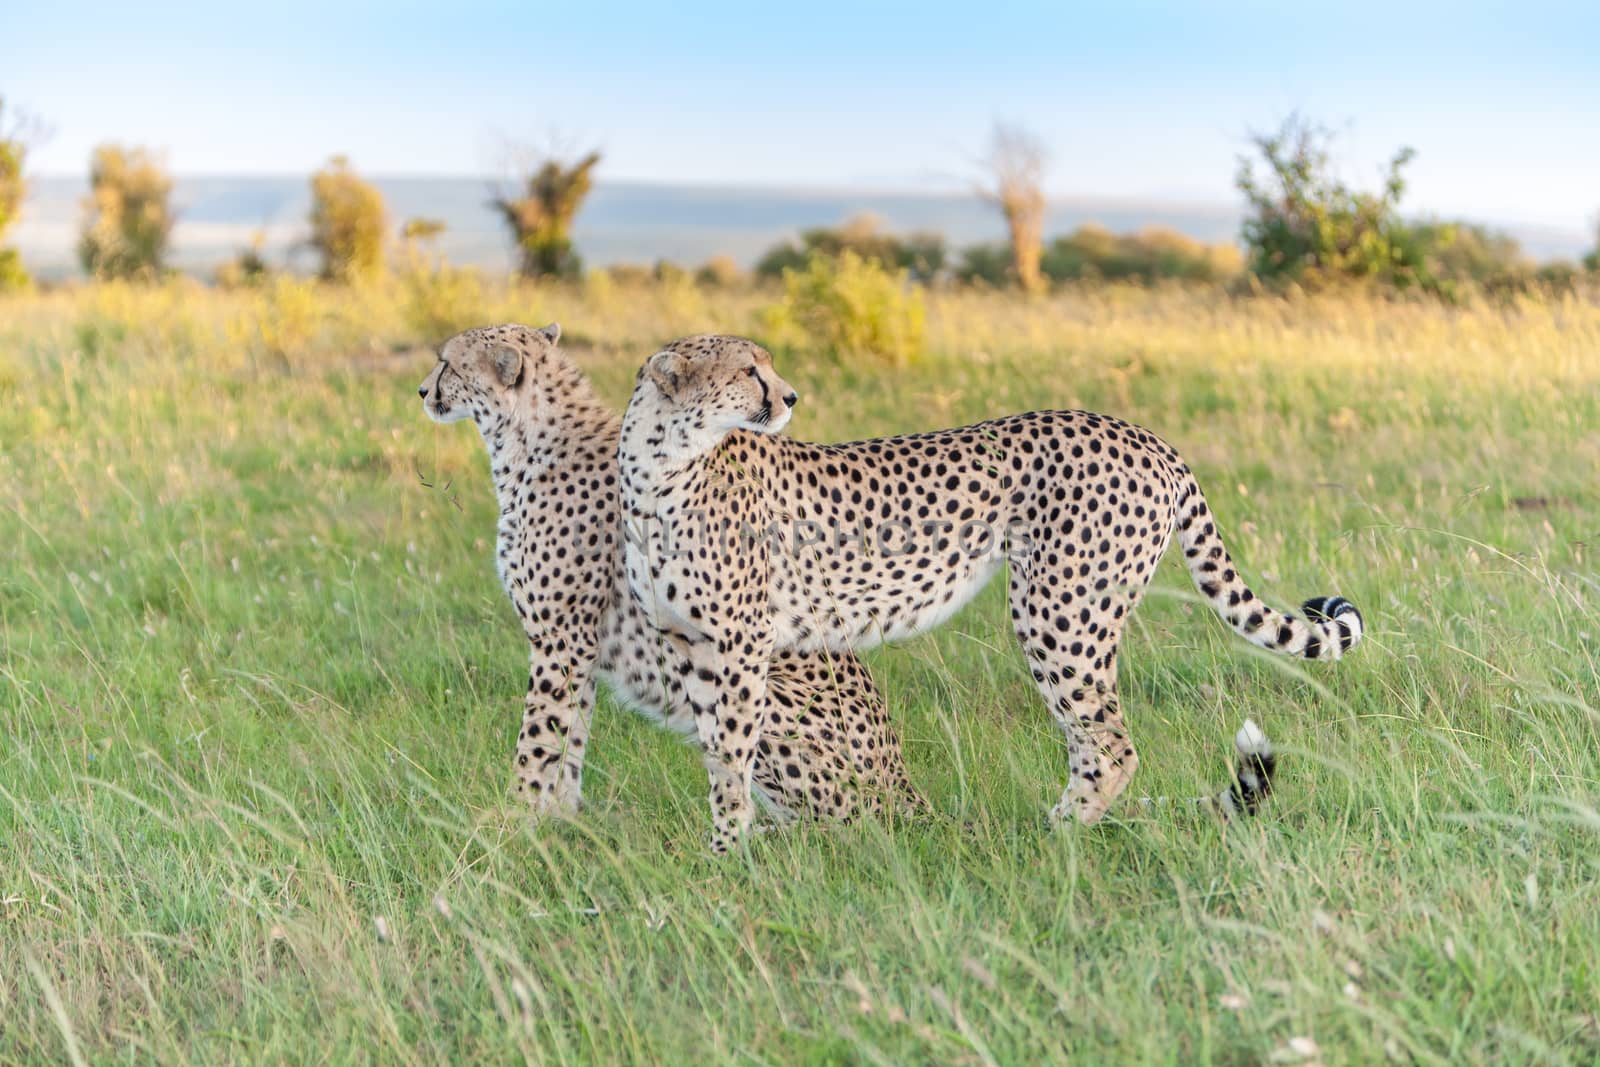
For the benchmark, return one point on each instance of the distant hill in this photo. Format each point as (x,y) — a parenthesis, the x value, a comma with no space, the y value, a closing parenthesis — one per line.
(623,222)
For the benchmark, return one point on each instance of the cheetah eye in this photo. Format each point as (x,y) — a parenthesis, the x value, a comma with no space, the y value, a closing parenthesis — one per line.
(751,371)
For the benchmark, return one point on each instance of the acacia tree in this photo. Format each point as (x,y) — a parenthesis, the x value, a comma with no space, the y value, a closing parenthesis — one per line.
(127,215)
(13,190)
(1016,166)
(541,218)
(348,220)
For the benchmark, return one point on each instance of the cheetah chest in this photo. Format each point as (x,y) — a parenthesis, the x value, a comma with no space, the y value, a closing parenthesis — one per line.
(652,575)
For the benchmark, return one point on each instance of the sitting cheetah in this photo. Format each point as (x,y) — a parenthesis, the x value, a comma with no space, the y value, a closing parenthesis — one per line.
(748,543)
(827,747)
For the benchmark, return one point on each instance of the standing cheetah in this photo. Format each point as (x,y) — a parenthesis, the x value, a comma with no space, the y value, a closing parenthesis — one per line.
(827,747)
(747,543)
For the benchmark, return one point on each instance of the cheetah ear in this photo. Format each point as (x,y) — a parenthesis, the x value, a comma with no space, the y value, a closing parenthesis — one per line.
(508,366)
(551,333)
(667,370)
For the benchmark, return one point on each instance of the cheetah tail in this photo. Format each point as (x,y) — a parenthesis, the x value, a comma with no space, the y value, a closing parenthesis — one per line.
(1327,628)
(1255,765)
(1252,775)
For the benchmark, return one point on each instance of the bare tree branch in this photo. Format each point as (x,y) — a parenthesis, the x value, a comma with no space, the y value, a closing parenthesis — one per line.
(1016,164)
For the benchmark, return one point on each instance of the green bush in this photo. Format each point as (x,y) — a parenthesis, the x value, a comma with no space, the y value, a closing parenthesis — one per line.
(1094,253)
(1557,276)
(1306,226)
(1466,252)
(127,215)
(1461,258)
(348,220)
(13,190)
(985,264)
(1152,254)
(850,308)
(920,255)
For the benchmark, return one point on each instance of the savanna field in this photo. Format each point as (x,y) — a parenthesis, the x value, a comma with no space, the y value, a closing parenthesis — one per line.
(259,686)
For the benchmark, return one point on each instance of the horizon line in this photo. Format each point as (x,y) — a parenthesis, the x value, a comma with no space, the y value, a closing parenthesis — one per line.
(847,188)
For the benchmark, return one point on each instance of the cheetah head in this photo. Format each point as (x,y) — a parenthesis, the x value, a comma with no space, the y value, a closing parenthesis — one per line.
(718,384)
(480,372)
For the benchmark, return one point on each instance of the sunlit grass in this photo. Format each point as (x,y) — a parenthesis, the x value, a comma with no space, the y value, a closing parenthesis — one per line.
(258,688)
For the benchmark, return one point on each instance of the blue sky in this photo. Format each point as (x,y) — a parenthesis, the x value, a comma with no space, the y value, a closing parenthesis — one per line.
(1135,100)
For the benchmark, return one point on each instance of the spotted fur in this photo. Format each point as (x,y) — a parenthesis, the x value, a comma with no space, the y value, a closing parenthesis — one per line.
(826,746)
(721,550)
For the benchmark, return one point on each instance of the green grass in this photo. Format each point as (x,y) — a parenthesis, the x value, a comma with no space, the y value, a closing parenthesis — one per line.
(259,685)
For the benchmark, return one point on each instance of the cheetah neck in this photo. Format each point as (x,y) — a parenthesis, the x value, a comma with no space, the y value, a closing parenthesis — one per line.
(548,431)
(659,454)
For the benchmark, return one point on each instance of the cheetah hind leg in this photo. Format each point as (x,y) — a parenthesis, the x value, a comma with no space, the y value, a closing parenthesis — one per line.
(803,772)
(800,778)
(1102,757)
(1071,645)
(828,747)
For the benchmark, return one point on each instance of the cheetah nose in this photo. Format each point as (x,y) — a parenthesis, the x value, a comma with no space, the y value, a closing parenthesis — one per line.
(791,400)
(423,392)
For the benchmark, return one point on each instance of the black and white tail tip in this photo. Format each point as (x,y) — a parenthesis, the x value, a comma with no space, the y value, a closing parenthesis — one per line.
(1339,622)
(1253,774)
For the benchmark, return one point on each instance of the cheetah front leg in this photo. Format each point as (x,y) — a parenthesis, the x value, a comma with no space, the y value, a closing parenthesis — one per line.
(727,690)
(547,768)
